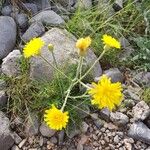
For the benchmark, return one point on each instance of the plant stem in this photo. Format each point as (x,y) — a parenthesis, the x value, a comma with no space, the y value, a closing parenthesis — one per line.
(73,83)
(79,67)
(66,98)
(97,60)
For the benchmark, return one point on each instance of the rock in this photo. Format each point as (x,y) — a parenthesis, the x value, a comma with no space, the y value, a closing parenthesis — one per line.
(6,140)
(46,131)
(48,17)
(84,4)
(31,7)
(65,54)
(3,99)
(53,140)
(7,35)
(61,136)
(127,49)
(105,114)
(22,20)
(73,133)
(139,131)
(141,111)
(22,143)
(118,5)
(66,3)
(142,78)
(3,84)
(16,137)
(84,127)
(132,93)
(15,147)
(42,4)
(7,10)
(32,126)
(119,118)
(35,30)
(129,103)
(114,74)
(10,65)
(99,124)
(116,139)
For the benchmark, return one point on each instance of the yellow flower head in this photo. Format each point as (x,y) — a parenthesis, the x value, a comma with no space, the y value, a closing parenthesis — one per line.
(106,94)
(82,44)
(55,118)
(33,47)
(110,41)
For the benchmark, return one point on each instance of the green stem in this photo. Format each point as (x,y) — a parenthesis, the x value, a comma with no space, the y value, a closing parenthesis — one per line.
(102,54)
(66,98)
(79,67)
(86,86)
(76,97)
(73,83)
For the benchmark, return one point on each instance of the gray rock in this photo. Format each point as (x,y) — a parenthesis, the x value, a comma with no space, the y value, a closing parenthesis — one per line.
(84,127)
(114,74)
(141,111)
(7,35)
(3,84)
(6,140)
(132,93)
(118,5)
(31,7)
(15,147)
(66,3)
(139,131)
(116,139)
(46,131)
(48,17)
(16,137)
(119,118)
(84,4)
(61,136)
(98,123)
(105,114)
(53,140)
(3,99)
(10,65)
(142,78)
(35,30)
(22,20)
(127,49)
(65,54)
(73,133)
(32,126)
(7,10)
(129,103)
(42,4)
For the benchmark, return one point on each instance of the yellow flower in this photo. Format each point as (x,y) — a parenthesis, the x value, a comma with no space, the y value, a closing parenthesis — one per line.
(110,42)
(106,94)
(33,47)
(55,118)
(82,44)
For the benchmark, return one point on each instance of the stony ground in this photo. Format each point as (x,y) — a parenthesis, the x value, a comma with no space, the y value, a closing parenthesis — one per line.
(126,129)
